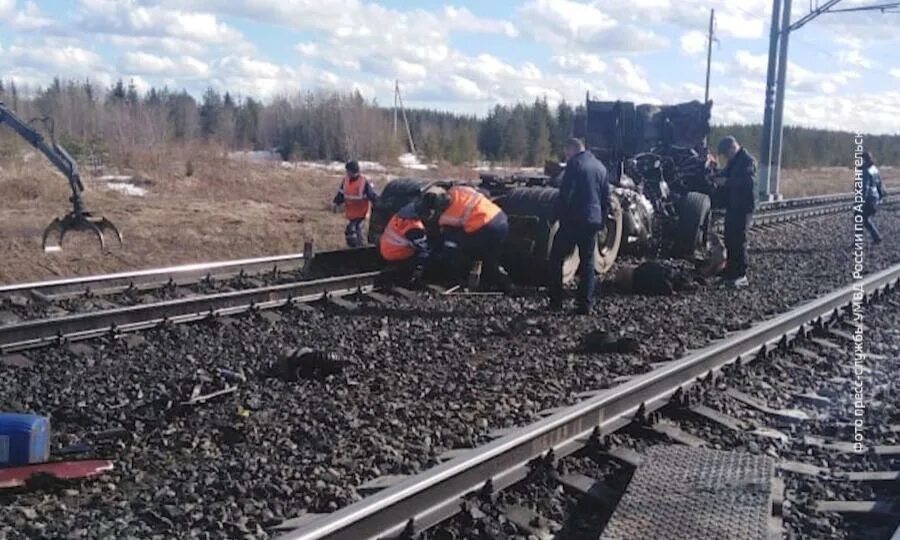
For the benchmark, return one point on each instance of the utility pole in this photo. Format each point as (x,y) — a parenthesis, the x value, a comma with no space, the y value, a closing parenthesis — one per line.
(396,95)
(398,101)
(709,42)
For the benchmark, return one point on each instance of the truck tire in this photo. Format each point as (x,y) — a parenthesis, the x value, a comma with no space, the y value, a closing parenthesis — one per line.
(395,195)
(693,220)
(533,226)
(609,240)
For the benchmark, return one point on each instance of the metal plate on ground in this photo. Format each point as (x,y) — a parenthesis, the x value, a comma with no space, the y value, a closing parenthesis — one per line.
(696,493)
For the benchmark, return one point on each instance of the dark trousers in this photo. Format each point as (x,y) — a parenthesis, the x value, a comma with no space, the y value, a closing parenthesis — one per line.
(354,232)
(736,226)
(567,238)
(483,245)
(868,211)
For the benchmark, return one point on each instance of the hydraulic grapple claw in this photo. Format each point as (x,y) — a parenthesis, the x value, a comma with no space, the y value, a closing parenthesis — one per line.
(77,222)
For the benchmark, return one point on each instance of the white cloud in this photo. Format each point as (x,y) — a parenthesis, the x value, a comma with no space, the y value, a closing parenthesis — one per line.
(7,7)
(164,45)
(752,64)
(693,42)
(586,63)
(56,60)
(895,72)
(130,18)
(565,24)
(461,19)
(26,18)
(150,64)
(307,49)
(629,75)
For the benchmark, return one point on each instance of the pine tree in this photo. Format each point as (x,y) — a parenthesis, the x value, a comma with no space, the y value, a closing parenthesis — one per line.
(210,112)
(117,92)
(539,134)
(515,138)
(132,96)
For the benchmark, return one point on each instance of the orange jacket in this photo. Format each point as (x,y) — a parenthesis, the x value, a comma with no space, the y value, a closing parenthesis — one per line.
(468,210)
(394,245)
(356,204)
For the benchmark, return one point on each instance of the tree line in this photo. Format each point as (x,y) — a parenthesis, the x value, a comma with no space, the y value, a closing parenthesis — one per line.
(119,121)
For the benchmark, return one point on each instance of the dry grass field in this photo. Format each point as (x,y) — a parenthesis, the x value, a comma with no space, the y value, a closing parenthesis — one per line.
(225,209)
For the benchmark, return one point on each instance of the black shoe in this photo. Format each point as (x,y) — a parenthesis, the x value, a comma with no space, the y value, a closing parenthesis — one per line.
(556,306)
(876,241)
(582,309)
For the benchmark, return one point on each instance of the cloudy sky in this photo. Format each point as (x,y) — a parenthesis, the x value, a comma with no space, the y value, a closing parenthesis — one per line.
(469,54)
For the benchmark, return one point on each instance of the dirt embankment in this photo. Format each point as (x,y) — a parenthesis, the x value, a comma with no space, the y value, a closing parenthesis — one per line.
(225,209)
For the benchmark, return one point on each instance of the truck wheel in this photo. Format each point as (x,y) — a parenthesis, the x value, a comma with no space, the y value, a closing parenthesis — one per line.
(693,218)
(395,195)
(533,226)
(610,239)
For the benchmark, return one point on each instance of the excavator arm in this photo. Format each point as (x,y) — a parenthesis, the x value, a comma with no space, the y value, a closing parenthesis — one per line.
(78,219)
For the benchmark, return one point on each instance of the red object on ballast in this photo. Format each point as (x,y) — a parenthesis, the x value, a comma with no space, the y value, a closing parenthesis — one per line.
(62,470)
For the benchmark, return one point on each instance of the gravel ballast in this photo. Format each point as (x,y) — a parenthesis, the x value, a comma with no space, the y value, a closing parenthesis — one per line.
(425,376)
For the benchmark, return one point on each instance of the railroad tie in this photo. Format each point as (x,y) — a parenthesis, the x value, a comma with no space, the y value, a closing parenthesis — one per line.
(595,489)
(721,419)
(788,416)
(884,509)
(531,522)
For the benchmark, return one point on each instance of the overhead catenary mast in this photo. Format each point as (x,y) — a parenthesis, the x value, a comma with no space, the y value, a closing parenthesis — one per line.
(770,146)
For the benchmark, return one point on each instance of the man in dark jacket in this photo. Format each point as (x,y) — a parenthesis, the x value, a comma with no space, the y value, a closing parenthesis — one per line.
(740,201)
(583,204)
(873,192)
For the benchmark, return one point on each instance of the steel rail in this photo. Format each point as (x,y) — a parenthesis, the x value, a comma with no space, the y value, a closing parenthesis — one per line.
(191,273)
(174,273)
(769,217)
(428,498)
(40,332)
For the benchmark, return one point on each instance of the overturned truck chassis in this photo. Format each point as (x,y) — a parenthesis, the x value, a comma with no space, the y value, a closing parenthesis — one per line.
(661,186)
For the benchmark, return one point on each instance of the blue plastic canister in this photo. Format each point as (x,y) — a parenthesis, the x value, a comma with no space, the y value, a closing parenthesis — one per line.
(24,439)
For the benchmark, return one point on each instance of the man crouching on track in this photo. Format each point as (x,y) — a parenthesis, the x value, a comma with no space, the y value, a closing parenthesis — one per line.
(470,223)
(404,244)
(357,195)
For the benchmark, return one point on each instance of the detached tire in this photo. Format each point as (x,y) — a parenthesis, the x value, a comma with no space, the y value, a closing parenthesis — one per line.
(693,220)
(533,227)
(396,194)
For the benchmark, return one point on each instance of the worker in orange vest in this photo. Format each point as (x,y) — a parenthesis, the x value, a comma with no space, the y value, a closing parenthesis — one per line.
(404,243)
(470,223)
(357,195)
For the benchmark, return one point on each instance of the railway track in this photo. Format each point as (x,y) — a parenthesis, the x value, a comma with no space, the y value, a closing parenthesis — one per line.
(429,376)
(182,285)
(25,301)
(413,505)
(116,321)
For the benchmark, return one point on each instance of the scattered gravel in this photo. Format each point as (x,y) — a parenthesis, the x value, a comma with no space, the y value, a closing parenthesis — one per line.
(776,383)
(426,376)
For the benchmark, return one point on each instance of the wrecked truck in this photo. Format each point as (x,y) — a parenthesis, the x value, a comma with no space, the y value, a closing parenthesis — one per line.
(661,185)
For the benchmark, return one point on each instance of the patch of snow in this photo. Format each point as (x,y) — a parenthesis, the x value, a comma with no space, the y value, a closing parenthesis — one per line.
(337,166)
(487,166)
(127,188)
(115,178)
(411,161)
(256,156)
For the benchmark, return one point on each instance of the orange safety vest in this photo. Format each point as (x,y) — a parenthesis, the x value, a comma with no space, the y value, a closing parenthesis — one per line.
(393,245)
(468,210)
(356,205)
